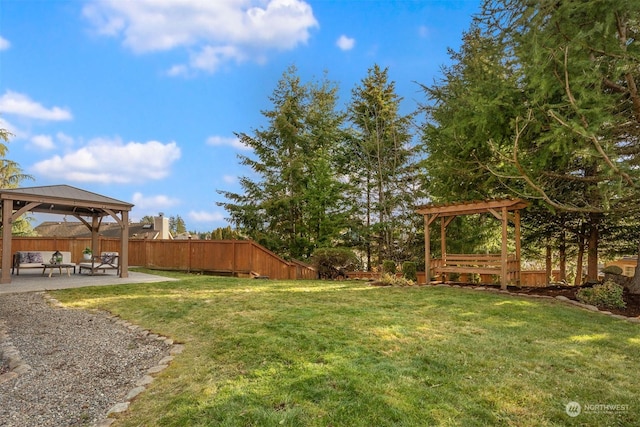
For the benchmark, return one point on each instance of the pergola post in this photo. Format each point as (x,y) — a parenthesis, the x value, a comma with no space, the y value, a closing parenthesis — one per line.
(516,220)
(427,251)
(428,219)
(124,245)
(443,240)
(7,207)
(504,271)
(95,227)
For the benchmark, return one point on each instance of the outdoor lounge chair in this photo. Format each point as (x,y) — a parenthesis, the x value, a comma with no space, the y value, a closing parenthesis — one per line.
(106,261)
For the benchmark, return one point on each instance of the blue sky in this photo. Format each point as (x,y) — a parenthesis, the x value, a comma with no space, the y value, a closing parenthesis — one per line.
(139,99)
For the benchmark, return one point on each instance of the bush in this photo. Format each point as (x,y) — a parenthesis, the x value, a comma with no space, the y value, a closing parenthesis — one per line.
(612,269)
(393,280)
(334,262)
(410,270)
(388,266)
(609,294)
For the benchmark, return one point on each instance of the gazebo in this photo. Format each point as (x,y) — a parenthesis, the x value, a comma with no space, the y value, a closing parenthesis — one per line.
(90,208)
(504,265)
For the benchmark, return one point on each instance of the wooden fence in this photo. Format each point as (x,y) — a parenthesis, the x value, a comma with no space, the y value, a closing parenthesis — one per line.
(240,258)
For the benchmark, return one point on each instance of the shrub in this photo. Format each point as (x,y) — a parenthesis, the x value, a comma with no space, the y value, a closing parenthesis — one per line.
(393,280)
(388,266)
(334,262)
(609,294)
(410,270)
(612,269)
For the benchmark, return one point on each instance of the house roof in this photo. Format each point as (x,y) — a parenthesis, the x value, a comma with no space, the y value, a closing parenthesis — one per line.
(107,229)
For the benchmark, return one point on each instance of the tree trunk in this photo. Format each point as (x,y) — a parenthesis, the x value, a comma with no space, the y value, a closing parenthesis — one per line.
(562,258)
(547,264)
(634,284)
(578,279)
(592,249)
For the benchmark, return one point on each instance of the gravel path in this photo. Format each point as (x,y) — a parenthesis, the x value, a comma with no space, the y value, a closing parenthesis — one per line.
(67,367)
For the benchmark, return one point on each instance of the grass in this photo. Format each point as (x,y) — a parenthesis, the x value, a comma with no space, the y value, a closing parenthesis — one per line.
(314,353)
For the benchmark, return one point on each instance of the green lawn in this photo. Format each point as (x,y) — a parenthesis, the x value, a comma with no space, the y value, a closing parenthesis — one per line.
(314,353)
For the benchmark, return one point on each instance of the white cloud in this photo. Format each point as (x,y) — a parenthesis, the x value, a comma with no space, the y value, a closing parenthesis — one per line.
(424,31)
(178,70)
(230,179)
(43,142)
(65,139)
(203,216)
(21,105)
(345,43)
(49,142)
(153,203)
(234,142)
(210,58)
(111,161)
(217,31)
(4,43)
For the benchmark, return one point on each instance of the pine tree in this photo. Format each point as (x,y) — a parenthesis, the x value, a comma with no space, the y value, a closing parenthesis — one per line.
(293,206)
(378,161)
(542,103)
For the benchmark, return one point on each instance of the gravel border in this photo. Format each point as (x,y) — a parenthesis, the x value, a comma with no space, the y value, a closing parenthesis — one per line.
(68,367)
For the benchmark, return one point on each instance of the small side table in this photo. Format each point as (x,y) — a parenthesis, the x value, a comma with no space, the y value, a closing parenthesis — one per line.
(59,266)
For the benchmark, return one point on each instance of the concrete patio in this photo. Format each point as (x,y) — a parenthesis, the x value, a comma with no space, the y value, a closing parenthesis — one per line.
(31,280)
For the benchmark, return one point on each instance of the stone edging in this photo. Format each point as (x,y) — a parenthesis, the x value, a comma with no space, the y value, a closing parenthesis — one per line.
(9,352)
(558,298)
(18,367)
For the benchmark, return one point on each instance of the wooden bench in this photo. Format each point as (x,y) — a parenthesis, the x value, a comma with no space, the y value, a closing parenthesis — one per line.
(482,264)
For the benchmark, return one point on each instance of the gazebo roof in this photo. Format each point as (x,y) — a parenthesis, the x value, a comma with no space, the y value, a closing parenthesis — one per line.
(64,200)
(471,207)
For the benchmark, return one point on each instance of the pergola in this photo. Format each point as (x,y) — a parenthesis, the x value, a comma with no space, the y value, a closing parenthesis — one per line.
(504,210)
(90,208)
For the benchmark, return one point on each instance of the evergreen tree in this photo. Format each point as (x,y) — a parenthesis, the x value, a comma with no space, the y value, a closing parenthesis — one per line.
(177,225)
(379,164)
(147,219)
(542,103)
(293,204)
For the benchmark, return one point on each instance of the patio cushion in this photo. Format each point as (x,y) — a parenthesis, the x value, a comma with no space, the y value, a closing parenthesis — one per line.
(34,257)
(109,258)
(24,257)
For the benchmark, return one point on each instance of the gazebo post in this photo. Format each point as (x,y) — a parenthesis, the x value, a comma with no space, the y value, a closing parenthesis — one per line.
(95,226)
(504,273)
(123,261)
(427,250)
(516,220)
(443,240)
(7,207)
